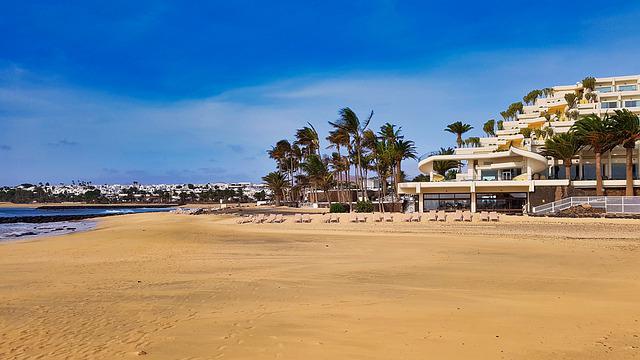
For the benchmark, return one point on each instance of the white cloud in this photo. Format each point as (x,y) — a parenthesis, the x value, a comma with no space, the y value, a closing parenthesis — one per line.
(163,139)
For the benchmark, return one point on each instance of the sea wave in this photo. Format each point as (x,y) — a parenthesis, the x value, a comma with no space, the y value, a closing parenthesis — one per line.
(18,231)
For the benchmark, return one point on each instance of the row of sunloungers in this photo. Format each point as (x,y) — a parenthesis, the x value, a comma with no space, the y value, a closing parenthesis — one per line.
(262,219)
(460,215)
(432,215)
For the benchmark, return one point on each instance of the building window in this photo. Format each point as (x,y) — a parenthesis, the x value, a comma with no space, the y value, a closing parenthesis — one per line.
(489,175)
(604,89)
(447,202)
(609,104)
(618,171)
(514,202)
(558,172)
(632,103)
(509,174)
(627,88)
(588,172)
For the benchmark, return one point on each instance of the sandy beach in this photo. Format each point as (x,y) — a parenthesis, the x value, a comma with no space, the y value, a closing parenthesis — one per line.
(168,286)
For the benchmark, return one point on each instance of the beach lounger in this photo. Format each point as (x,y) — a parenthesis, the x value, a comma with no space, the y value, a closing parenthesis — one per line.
(362,219)
(466,216)
(493,216)
(457,216)
(408,218)
(334,218)
(378,218)
(442,216)
(416,218)
(297,218)
(354,219)
(270,219)
(245,219)
(326,219)
(279,219)
(306,218)
(484,216)
(388,218)
(433,216)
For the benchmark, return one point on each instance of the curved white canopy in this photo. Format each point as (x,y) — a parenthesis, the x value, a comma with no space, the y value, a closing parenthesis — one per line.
(536,161)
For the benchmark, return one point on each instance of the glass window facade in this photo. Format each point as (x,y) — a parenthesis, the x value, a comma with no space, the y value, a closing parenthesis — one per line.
(604,89)
(514,202)
(447,202)
(489,175)
(509,174)
(558,172)
(618,171)
(627,88)
(632,103)
(609,104)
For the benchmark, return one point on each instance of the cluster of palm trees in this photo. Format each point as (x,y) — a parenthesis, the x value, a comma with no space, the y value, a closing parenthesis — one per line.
(599,134)
(358,150)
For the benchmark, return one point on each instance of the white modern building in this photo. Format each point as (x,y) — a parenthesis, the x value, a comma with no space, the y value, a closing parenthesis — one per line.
(507,172)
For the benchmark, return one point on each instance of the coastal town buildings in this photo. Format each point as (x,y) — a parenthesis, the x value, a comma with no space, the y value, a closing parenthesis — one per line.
(150,193)
(507,172)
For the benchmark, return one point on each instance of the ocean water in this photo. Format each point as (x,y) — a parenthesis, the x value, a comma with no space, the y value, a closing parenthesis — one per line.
(19,230)
(18,212)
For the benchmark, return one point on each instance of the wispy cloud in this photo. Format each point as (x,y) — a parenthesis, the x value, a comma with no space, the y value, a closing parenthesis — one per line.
(127,139)
(63,142)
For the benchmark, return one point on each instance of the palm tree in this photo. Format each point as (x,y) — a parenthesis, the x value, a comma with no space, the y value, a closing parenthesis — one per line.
(563,146)
(489,128)
(389,133)
(442,166)
(277,183)
(627,132)
(318,173)
(570,98)
(349,122)
(597,133)
(404,149)
(338,139)
(458,128)
(339,164)
(589,83)
(308,137)
(532,96)
(526,132)
(279,153)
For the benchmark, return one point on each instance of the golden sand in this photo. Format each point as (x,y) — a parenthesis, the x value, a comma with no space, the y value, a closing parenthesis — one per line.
(170,286)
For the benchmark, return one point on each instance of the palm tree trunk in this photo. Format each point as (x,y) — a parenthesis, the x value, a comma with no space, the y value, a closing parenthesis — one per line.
(398,175)
(629,171)
(379,187)
(567,175)
(599,191)
(359,171)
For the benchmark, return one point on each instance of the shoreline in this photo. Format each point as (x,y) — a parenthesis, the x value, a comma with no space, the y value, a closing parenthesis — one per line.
(43,219)
(18,232)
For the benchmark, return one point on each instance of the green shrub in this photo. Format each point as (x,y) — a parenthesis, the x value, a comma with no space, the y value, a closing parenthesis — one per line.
(339,208)
(364,206)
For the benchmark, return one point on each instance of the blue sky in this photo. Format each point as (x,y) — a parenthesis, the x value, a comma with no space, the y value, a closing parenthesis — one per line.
(163,91)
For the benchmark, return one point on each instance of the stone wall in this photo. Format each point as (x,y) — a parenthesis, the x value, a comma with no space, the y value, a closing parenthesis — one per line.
(545,194)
